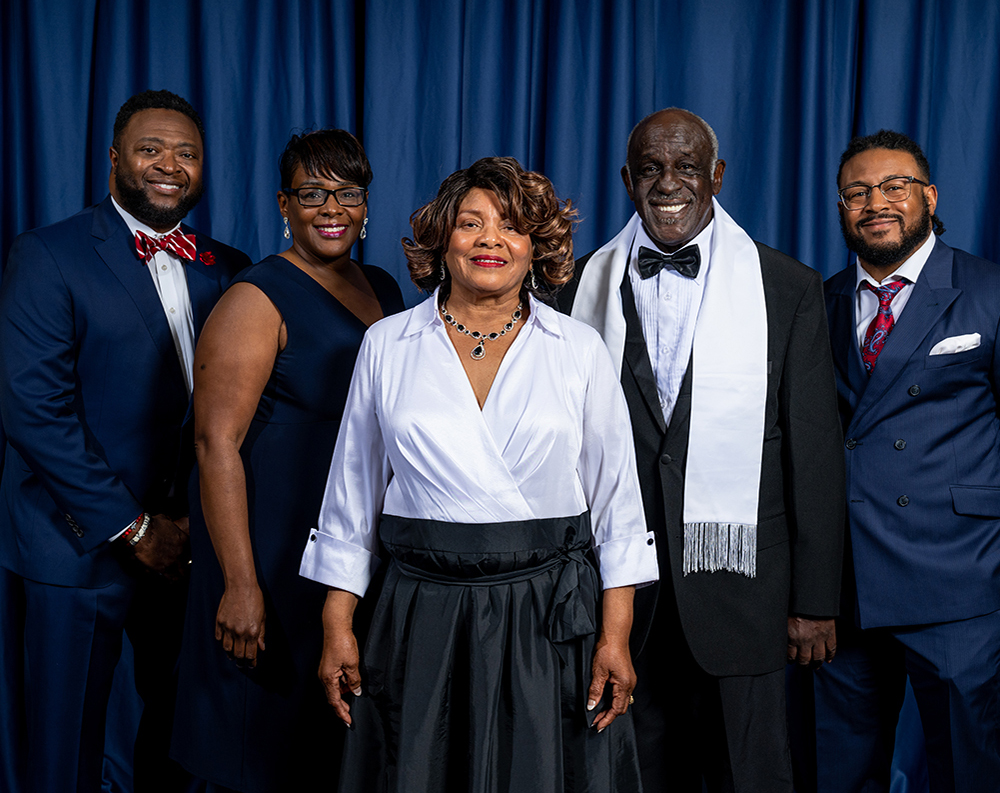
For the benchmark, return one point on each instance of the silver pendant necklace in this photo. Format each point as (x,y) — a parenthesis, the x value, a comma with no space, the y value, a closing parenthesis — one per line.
(479,351)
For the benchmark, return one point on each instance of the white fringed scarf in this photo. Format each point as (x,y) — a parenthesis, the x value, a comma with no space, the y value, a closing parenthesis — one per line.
(728,391)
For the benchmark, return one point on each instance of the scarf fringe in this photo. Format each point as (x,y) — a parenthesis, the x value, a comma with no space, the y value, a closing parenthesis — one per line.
(709,547)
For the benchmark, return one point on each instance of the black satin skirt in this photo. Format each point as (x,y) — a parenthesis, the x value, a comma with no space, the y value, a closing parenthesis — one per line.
(477,665)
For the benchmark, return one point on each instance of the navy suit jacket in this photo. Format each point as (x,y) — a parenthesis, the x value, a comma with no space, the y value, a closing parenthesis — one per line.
(92,395)
(922,439)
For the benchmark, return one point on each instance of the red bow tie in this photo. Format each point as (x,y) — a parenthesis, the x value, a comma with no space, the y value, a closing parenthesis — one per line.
(176,242)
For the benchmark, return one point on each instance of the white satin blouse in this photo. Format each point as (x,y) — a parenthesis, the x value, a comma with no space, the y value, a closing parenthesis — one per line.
(552,439)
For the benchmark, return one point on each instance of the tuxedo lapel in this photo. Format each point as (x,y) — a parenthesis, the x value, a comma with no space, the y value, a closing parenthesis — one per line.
(932,295)
(637,356)
(114,246)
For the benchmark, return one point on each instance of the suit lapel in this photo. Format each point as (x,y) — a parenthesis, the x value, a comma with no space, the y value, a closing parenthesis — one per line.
(847,360)
(114,246)
(637,357)
(202,281)
(932,295)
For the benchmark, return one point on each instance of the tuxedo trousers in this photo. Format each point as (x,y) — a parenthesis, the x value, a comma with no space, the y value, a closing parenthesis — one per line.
(699,732)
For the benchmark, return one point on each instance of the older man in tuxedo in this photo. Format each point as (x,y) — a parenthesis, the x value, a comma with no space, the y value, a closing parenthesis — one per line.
(914,330)
(725,362)
(98,318)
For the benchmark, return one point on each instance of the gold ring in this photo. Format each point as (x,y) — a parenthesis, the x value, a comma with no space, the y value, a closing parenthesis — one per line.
(631,700)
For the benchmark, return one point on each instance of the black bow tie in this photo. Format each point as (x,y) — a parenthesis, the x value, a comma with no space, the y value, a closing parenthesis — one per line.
(686,261)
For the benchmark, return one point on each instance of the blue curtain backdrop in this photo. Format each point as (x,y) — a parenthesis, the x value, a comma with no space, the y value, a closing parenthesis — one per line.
(430,85)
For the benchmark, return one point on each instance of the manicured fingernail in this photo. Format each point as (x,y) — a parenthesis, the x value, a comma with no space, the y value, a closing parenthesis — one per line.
(601,730)
(357,691)
(591,704)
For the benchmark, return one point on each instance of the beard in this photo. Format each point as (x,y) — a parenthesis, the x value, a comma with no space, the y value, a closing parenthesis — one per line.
(886,254)
(135,201)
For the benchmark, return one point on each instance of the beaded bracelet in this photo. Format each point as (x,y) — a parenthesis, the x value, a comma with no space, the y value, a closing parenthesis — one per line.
(134,540)
(132,529)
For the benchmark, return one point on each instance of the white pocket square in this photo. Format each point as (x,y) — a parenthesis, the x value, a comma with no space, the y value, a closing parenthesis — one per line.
(950,346)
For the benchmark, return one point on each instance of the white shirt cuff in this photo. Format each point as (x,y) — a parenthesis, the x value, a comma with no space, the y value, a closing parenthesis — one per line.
(338,564)
(628,561)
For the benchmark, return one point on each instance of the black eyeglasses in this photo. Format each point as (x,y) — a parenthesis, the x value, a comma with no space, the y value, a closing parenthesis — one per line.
(317,196)
(893,189)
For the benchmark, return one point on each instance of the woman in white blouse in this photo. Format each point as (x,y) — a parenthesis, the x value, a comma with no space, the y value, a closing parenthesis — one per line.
(486,451)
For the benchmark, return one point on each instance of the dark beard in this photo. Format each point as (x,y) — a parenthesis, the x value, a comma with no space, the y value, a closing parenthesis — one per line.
(135,201)
(886,254)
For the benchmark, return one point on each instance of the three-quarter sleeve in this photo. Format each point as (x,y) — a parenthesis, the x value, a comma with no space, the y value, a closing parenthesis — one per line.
(340,552)
(626,551)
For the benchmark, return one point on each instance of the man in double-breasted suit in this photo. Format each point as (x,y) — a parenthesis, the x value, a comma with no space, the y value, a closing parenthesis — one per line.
(725,363)
(914,330)
(98,318)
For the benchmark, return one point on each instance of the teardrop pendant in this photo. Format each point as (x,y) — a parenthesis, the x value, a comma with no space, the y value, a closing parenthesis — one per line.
(479,351)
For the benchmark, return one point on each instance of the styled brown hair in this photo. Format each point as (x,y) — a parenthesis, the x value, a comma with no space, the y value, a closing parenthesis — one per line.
(528,201)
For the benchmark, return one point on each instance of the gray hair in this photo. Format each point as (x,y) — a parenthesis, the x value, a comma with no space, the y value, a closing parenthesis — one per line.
(705,126)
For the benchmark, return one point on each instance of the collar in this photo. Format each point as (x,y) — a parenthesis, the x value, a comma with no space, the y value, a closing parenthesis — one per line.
(425,316)
(703,240)
(910,269)
(135,225)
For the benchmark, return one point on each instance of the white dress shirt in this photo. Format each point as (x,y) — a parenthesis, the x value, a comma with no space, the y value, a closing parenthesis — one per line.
(552,439)
(668,305)
(866,301)
(170,280)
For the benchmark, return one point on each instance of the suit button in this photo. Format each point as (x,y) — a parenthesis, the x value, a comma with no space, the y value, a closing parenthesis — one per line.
(900,444)
(850,443)
(903,500)
(914,390)
(77,531)
(666,458)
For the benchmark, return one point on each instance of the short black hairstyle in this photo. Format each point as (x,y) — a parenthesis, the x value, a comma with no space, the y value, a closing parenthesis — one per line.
(331,153)
(154,100)
(896,141)
(886,139)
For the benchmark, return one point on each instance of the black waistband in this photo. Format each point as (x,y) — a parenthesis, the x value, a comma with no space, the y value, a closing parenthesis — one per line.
(483,553)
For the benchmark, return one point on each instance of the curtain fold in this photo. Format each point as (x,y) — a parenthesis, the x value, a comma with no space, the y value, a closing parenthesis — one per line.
(431,85)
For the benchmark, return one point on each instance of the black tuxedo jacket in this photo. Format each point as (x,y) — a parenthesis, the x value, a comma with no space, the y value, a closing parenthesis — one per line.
(735,625)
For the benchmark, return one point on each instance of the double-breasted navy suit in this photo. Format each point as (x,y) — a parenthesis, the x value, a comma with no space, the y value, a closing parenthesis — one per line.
(95,408)
(922,568)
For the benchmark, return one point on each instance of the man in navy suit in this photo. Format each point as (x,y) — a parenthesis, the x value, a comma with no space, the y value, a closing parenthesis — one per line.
(98,318)
(914,331)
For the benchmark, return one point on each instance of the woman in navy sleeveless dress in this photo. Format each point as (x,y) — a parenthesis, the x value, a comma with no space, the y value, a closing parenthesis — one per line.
(272,374)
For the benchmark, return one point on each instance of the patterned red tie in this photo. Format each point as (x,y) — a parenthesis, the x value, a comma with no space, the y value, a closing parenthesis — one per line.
(878,330)
(176,242)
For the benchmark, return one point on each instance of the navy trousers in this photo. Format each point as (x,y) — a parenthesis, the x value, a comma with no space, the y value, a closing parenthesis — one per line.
(954,669)
(58,648)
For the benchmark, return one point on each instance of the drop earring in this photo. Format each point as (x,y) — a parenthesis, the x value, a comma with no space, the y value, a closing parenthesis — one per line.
(364,229)
(288,234)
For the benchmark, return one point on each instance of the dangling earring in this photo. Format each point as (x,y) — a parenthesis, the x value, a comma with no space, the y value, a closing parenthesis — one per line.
(444,272)
(288,234)
(364,231)
(531,282)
